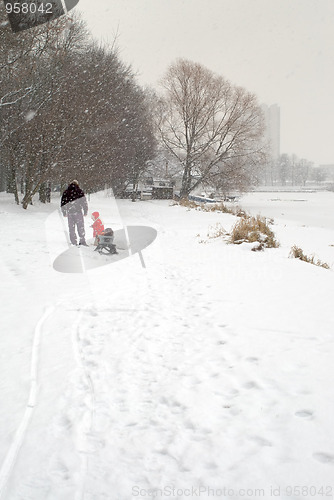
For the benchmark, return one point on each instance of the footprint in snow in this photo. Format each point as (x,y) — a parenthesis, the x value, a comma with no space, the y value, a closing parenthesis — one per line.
(210,465)
(63,422)
(304,414)
(92,312)
(261,441)
(233,392)
(58,468)
(251,385)
(91,364)
(325,458)
(252,359)
(189,425)
(86,342)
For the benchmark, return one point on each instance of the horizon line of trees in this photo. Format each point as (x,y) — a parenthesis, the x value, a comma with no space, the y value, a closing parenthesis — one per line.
(289,170)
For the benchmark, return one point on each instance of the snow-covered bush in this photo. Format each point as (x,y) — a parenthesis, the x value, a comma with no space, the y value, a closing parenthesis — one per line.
(252,229)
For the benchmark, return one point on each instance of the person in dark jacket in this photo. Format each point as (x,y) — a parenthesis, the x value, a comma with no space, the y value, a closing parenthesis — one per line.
(74,206)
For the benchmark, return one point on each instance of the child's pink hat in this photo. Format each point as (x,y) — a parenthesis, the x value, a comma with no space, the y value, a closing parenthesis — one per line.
(96,214)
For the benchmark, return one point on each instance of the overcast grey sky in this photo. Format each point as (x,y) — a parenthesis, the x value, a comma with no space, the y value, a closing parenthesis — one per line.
(281,50)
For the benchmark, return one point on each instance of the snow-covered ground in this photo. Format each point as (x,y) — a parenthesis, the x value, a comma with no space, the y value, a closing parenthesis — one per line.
(191,369)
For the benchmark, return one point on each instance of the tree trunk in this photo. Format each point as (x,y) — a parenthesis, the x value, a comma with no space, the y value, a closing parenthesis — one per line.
(27,198)
(12,184)
(26,201)
(186,182)
(42,193)
(133,195)
(45,192)
(30,193)
(134,186)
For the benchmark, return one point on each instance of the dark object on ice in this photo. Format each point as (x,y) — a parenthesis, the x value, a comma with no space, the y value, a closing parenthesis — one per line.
(74,206)
(106,242)
(201,199)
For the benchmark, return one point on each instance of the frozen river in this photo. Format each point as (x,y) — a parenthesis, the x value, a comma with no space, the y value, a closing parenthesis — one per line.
(309,209)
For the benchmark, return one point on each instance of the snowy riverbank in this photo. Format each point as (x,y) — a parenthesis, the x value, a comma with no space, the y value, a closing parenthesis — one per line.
(194,365)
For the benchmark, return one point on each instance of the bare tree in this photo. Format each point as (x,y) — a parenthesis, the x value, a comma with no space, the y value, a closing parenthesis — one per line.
(284,168)
(304,168)
(319,175)
(212,127)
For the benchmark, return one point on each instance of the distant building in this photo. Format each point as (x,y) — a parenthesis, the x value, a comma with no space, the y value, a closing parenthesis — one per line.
(162,189)
(273,126)
(150,188)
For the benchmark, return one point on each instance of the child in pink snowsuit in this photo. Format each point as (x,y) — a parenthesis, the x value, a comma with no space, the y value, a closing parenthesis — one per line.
(97,226)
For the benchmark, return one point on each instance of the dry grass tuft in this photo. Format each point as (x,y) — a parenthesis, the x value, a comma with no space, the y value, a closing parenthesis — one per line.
(252,229)
(188,203)
(217,207)
(297,253)
(216,231)
(239,212)
(211,207)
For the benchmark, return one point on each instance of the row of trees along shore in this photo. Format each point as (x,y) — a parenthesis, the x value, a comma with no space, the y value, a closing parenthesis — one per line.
(289,170)
(70,108)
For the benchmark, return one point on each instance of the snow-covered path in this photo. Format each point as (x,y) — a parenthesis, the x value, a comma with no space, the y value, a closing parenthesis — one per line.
(210,367)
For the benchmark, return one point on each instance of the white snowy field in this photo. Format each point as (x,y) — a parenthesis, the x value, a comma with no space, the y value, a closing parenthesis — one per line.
(196,369)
